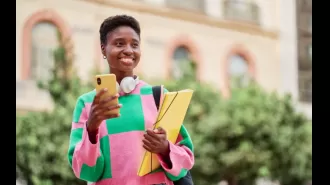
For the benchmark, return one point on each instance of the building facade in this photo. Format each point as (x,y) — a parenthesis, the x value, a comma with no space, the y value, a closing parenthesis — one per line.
(296,52)
(226,38)
(304,45)
(304,48)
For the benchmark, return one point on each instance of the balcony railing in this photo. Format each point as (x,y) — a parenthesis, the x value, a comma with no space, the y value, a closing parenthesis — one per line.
(305,86)
(241,11)
(305,64)
(306,5)
(305,58)
(190,5)
(305,32)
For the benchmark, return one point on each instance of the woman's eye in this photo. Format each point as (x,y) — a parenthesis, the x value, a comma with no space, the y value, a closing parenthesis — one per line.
(119,44)
(135,45)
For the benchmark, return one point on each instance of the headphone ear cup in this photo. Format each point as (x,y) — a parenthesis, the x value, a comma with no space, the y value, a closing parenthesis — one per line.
(127,84)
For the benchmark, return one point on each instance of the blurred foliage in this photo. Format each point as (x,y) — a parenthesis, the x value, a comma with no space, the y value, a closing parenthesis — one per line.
(250,135)
(42,138)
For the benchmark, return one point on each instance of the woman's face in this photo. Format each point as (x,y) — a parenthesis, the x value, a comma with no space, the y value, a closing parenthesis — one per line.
(122,49)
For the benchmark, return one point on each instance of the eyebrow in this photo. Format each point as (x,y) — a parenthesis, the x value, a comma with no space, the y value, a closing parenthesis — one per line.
(121,38)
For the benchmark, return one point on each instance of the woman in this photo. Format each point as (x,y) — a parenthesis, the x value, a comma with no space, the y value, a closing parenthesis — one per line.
(107,149)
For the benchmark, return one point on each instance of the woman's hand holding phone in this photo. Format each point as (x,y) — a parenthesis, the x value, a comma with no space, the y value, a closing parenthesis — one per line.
(100,110)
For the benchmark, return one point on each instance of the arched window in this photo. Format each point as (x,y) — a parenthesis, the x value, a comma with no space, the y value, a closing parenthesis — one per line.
(180,58)
(238,71)
(44,42)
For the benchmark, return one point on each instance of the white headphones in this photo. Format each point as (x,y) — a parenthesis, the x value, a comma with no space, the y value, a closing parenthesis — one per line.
(127,84)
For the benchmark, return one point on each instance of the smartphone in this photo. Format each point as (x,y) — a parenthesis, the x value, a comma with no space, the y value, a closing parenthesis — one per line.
(107,81)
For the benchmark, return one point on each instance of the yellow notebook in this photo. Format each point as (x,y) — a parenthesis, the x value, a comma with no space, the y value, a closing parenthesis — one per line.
(173,108)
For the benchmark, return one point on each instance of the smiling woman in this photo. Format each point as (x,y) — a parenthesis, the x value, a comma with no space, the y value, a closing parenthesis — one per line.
(107,149)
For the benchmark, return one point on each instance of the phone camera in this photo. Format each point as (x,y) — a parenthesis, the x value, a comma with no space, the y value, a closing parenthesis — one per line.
(98,81)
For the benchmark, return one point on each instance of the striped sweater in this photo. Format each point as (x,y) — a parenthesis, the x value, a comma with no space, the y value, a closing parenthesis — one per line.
(116,156)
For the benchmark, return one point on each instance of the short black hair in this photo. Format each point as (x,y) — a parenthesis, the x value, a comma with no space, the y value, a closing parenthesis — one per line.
(113,22)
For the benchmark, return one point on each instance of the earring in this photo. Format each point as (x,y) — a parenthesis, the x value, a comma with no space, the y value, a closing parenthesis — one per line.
(104,57)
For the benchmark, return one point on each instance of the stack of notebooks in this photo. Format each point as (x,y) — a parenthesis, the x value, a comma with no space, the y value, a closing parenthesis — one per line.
(172,110)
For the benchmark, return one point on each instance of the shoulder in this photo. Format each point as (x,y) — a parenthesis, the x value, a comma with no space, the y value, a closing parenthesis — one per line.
(81,104)
(87,97)
(165,90)
(146,88)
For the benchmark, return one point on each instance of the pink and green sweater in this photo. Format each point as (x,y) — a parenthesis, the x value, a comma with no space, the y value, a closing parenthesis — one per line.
(115,157)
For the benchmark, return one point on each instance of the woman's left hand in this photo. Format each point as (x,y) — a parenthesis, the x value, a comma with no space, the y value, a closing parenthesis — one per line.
(155,141)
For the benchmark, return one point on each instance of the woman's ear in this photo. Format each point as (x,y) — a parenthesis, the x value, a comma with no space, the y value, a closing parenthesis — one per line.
(103,49)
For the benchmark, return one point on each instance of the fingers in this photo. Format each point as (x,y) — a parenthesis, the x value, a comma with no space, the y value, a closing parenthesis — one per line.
(150,139)
(102,108)
(147,148)
(152,134)
(99,95)
(160,130)
(109,116)
(104,114)
(99,118)
(106,109)
(100,113)
(109,99)
(148,145)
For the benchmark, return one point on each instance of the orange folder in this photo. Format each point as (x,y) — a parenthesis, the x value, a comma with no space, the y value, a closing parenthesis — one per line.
(173,108)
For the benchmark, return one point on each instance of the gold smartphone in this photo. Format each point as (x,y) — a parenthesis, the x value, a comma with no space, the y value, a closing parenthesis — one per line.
(107,81)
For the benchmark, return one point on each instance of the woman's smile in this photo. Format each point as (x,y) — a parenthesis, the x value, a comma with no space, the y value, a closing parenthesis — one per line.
(127,61)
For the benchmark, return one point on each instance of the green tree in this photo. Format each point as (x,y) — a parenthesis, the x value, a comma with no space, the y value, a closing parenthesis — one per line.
(42,138)
(250,135)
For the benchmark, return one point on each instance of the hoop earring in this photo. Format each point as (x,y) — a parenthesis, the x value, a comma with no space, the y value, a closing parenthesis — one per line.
(104,57)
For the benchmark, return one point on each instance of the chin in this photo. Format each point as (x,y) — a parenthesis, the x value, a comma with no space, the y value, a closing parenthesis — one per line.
(127,68)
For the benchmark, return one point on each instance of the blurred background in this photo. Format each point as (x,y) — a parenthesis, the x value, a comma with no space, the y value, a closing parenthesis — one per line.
(249,61)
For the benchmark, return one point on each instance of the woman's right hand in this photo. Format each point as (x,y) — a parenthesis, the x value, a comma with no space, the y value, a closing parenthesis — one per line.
(99,110)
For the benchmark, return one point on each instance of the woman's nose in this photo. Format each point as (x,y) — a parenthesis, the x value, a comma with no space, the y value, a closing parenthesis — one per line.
(128,50)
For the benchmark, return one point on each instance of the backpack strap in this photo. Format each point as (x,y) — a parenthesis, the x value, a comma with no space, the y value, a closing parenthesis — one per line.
(156,92)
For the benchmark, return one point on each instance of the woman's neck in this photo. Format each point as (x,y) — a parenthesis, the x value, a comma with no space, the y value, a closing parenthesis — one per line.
(121,74)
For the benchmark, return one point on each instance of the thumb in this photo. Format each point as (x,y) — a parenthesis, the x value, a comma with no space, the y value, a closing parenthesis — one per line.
(159,130)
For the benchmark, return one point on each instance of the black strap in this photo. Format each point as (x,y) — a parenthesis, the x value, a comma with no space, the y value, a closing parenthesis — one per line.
(156,92)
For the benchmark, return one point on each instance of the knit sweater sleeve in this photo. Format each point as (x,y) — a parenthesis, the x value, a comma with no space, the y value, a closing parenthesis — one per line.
(181,157)
(85,158)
